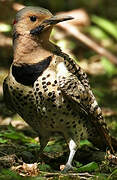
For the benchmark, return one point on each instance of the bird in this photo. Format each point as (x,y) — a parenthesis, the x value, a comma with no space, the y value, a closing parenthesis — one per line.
(48,89)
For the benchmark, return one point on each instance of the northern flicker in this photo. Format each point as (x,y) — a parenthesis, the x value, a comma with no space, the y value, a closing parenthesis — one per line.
(48,89)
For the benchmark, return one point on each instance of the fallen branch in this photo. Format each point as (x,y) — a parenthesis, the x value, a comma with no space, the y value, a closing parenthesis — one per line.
(87,41)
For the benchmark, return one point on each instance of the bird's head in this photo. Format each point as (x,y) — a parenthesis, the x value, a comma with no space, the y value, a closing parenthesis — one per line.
(35,20)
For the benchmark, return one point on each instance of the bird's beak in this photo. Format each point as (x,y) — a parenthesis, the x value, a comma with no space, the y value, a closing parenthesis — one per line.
(50,22)
(57,19)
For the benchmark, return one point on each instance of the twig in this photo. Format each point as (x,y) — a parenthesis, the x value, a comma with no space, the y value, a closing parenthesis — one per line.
(71,175)
(89,42)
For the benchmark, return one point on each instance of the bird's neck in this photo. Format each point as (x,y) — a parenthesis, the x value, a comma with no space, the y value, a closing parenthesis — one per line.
(31,49)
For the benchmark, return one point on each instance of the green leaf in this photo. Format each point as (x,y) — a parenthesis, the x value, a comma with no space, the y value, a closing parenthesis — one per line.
(44,167)
(90,167)
(98,93)
(99,176)
(78,164)
(108,66)
(97,32)
(9,175)
(107,25)
(2,141)
(85,142)
(12,134)
(112,174)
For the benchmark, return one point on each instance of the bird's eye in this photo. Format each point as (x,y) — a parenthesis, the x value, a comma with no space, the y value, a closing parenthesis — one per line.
(33,18)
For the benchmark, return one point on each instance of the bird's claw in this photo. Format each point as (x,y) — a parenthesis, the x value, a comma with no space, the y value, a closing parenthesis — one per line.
(67,168)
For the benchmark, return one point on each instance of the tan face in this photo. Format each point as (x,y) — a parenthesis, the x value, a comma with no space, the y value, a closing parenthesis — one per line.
(33,20)
(29,21)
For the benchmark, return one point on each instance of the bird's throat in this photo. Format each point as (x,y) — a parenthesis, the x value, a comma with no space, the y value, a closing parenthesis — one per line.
(30,50)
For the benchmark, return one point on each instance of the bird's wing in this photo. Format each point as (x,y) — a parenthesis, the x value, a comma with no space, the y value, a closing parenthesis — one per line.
(6,95)
(76,87)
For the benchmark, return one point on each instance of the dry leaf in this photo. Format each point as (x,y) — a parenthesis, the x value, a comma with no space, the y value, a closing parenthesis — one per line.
(27,169)
(112,158)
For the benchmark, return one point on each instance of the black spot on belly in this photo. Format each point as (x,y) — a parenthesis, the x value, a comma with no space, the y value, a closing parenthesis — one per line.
(61,120)
(37,84)
(74,126)
(28,74)
(44,78)
(48,83)
(48,75)
(37,89)
(40,93)
(50,94)
(11,87)
(45,89)
(55,81)
(44,82)
(44,86)
(30,92)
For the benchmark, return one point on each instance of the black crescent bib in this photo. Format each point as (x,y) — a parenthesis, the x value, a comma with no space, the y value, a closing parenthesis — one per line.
(28,74)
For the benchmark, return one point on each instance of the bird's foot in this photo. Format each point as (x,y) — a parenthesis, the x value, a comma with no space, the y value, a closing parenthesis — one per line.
(67,168)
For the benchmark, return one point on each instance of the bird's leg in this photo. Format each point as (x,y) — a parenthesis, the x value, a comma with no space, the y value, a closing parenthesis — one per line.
(43,142)
(73,148)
